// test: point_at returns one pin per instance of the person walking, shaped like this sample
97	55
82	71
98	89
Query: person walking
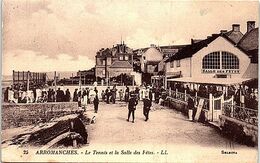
132	106
75	95
126	94
113	93
108	94
96	102
146	108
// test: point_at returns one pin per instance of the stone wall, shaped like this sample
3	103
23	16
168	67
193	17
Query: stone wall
16	115
239	131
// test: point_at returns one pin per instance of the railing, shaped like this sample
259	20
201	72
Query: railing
179	96
241	113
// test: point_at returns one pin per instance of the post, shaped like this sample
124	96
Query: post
23	76
133	82
18	77
106	76
211	105
80	84
13	77
232	106
165	82
55	85
222	103
185	93
28	80
72	79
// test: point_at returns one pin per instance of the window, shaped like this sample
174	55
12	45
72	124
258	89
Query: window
172	64
229	61
103	72
220	60
103	62
121	58
126	57
178	63
211	61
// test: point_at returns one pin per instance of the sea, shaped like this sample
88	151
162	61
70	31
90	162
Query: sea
8	79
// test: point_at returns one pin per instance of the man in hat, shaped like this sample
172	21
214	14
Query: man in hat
132	106
96	102
147	105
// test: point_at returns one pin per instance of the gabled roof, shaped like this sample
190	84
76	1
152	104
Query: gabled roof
189	50
121	64
251	71
250	40
234	35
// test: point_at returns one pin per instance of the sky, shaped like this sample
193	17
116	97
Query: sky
64	35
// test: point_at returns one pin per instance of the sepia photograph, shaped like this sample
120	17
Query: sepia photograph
129	81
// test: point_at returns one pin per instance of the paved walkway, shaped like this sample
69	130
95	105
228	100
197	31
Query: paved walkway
165	126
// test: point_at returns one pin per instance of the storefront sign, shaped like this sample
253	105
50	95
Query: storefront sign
214	71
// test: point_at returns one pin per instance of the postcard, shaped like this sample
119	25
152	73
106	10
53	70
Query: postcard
129	81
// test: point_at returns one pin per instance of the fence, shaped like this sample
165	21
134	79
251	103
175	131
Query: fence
219	106
241	113
23	77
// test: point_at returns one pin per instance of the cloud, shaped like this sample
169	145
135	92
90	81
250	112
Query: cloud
24	60
79	28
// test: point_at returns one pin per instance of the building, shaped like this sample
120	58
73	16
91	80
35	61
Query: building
221	59
112	62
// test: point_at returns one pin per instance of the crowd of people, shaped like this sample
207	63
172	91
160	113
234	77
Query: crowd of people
36	95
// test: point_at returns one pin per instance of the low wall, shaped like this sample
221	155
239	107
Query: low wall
178	105
16	115
239	131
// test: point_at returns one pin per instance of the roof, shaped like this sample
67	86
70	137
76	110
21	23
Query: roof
189	50
103	53
251	71
152	54
216	81
250	40
121	64
234	35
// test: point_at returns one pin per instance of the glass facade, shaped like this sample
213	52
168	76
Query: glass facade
220	60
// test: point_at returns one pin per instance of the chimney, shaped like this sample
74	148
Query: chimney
223	31
250	25
192	41
236	27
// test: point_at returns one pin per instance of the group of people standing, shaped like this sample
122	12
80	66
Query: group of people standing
36	95
86	96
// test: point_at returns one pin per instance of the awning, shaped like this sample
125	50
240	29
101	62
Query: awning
215	81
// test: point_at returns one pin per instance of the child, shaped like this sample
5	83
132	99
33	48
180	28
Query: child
121	94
